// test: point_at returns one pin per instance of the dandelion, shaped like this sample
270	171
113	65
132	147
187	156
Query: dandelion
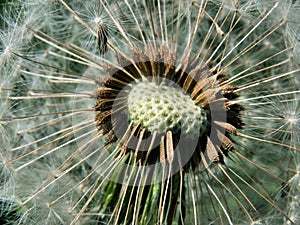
150	112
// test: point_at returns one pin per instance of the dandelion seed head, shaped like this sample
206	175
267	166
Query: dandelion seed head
185	119
163	101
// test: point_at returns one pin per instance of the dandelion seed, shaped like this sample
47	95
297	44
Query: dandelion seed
102	38
285	189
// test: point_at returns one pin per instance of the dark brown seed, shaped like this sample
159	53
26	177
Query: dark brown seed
102	38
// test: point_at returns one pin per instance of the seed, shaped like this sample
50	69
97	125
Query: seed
102	38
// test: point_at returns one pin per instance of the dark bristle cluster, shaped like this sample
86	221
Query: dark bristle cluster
206	89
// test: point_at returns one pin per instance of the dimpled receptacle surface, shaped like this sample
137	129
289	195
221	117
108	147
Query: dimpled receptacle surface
163	107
